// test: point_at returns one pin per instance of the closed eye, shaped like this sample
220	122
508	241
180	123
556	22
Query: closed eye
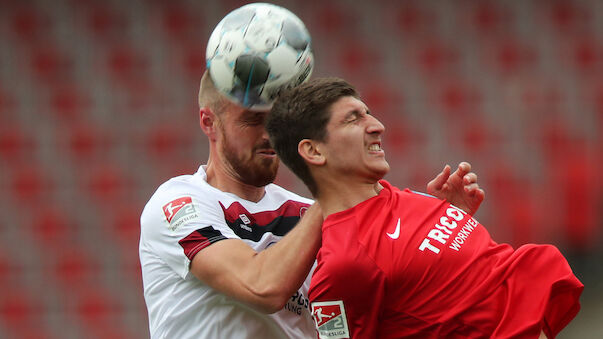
253	119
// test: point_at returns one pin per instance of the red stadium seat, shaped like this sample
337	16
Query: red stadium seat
588	56
88	141
125	225
8	106
331	18
28	332
524	218
74	268
51	227
381	98
458	98
360	58
168	142
50	65
104	332
30	24
503	181
513	219
104	22
19	308
69	102
98	310
181	23
30	184
15	144
598	103
414	19
569	16
130	270
479	136
436	57
577	172
193	62
489	17
513	56
127	66
10	270
108	184
555	138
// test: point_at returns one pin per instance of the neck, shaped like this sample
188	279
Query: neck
340	196
225	179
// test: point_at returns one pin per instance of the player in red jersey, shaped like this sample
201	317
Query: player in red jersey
400	264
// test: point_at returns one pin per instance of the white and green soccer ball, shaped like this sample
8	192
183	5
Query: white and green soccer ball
256	51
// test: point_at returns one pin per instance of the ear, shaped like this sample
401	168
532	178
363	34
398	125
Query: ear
208	121
309	151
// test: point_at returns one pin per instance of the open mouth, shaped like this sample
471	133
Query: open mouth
267	151
375	147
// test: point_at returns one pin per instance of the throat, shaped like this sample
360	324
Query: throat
226	182
333	200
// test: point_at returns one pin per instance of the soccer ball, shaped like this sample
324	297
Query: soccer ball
256	51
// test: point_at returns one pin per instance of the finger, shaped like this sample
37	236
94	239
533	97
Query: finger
471	188
478	194
475	193
481	194
463	168
440	179
470	178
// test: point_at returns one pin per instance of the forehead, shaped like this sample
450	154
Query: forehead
345	106
238	112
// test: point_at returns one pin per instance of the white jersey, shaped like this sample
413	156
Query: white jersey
184	216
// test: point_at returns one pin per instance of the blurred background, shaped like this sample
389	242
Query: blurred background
98	107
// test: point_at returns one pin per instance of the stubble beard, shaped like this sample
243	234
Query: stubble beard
254	171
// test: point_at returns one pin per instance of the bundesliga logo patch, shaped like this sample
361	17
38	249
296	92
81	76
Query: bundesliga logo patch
179	211
330	319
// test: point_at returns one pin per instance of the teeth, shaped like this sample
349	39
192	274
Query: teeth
374	147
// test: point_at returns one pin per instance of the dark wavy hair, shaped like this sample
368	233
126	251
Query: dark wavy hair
303	112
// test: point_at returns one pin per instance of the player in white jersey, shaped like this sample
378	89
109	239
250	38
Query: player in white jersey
184	216
214	260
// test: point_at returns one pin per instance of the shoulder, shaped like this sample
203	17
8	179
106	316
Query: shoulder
277	192
185	192
177	187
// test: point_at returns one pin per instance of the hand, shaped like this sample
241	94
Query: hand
460	188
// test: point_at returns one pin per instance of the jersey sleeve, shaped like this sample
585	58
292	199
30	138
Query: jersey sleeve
176	225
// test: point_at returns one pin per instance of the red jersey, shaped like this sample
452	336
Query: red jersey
403	264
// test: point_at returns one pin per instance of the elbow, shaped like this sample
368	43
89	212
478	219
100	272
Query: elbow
274	306
272	300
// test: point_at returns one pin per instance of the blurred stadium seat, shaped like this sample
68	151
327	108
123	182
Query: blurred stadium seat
15	144
29	23
30	184
68	102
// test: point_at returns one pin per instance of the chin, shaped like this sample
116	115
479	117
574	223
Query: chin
383	173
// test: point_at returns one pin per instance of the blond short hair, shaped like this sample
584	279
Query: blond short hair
209	96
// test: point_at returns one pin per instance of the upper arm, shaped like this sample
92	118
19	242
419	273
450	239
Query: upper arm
176	225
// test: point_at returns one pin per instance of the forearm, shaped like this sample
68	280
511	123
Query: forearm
265	279
277	272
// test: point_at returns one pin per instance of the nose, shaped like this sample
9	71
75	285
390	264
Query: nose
374	125
265	135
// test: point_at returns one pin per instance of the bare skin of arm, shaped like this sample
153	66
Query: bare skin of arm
265	279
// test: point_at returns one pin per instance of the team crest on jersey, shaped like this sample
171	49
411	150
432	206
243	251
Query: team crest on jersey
330	319
179	211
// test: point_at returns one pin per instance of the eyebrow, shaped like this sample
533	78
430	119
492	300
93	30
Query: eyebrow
253	114
356	112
